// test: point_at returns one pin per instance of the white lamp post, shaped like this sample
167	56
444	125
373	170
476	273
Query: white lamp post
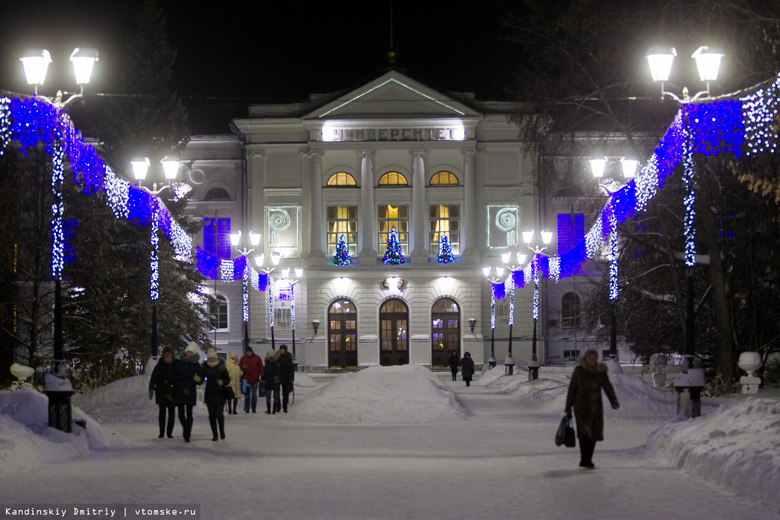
509	363
528	238
493	280
293	283
259	261
236	241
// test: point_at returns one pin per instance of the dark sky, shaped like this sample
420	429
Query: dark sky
245	52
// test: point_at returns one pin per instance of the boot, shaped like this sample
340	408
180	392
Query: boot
221	421
213	423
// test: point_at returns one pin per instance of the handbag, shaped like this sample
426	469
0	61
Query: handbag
228	392
565	434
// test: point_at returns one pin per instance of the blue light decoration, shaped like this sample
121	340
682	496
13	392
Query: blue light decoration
689	231
57	210
154	260
499	290
613	260
445	251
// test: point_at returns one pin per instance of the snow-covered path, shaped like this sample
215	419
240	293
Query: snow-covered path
499	463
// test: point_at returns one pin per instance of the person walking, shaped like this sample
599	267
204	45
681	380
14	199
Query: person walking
467	368
188	374
217	377
161	388
454	364
272	382
286	375
252	368
235	382
584	397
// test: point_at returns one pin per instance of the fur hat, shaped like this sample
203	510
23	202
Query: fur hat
282	347
192	347
167	350
233	356
211	353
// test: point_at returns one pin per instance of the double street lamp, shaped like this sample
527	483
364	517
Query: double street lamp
259	261
292	282
506	258
528	238
241	243
493	280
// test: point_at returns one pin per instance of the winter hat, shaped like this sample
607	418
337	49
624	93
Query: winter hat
282	347
211	353
233	356
249	349
167	350
192	347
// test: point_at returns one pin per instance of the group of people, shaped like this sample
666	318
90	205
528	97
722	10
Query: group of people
466	366
174	383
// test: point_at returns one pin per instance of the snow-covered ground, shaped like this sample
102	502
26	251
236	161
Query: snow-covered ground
402	442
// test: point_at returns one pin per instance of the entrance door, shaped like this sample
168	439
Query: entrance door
445	331
394	333
342	334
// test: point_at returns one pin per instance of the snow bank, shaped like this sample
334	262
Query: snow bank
737	447
27	442
380	395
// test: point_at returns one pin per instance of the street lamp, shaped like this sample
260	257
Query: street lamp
237	242
292	283
660	60
259	261
509	364
528	238
493	280
35	64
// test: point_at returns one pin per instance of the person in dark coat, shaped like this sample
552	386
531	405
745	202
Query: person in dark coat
217	377
272	381
252	368
467	368
286	375
587	381
161	388
454	364
188	374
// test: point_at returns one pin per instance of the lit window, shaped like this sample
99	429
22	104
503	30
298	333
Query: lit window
342	179
570	310
393	179
218	313
342	221
216	237
444	178
445	221
393	217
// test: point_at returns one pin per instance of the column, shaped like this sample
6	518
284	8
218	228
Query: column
366	218
468	239
419	220
317	226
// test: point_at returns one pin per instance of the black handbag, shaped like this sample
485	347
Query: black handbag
228	392
565	434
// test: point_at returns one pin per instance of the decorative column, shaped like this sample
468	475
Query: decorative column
419	220
468	238
367	204
316	228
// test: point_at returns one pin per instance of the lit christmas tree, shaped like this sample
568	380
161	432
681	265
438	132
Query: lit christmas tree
394	255
342	253
445	251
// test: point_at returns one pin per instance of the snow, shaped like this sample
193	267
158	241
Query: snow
403	442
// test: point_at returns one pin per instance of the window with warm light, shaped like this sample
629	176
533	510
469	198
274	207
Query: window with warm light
444	221
393	179
444	179
342	221
393	217
570	310
216	237
342	179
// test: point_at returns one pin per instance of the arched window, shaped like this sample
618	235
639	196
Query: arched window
393	179
444	178
570	310
217	194
341	179
218	313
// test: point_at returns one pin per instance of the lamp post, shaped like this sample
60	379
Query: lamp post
237	240
509	364
528	238
259	261
493	280
140	170
36	64
293	283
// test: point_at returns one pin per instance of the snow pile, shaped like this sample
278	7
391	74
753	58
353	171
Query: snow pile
380	395
304	380
27	441
737	447
125	401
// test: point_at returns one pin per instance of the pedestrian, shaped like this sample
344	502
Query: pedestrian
252	368
467	368
272	381
188	374
286	375
235	382
217	377
454	364
587	381
161	388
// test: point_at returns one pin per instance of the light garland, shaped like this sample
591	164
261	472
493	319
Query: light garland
689	230
154	260
245	296
271	320
57	210
613	260
493	308
511	283
760	114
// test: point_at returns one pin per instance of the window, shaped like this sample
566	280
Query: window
393	179
342	179
217	194
444	178
445	221
571	231
570	310
393	217
216	237
342	221
218	313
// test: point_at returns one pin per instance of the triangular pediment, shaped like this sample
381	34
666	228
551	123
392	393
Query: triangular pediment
393	96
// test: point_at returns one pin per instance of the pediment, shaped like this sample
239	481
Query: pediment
393	96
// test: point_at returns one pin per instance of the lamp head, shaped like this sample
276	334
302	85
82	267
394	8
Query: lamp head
140	168
275	258
260	260
629	167
235	238
35	63
316	325
708	62
597	166
547	237
254	238
472	323
660	60
528	236
83	60
170	168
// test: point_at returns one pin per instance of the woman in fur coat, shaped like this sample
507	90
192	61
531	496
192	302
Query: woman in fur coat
587	381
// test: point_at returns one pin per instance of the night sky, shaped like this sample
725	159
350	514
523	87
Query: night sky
237	53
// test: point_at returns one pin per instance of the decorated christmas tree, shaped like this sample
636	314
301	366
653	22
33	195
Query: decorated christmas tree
445	251
342	253
394	255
